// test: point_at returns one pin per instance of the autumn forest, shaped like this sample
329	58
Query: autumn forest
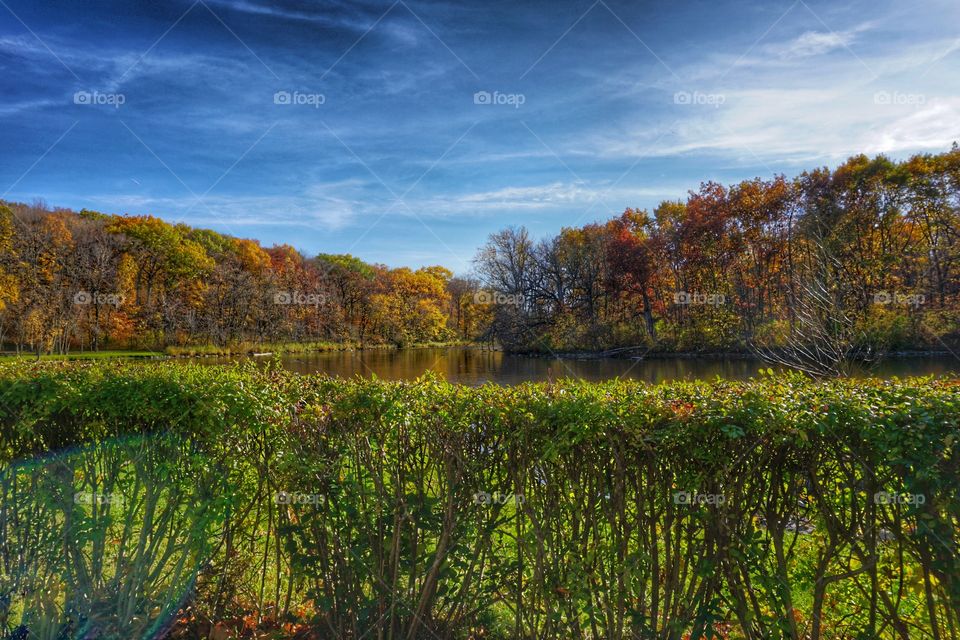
871	247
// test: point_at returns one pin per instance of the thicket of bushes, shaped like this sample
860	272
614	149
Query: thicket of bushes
189	500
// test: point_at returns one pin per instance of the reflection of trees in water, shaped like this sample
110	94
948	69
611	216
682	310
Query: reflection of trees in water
104	542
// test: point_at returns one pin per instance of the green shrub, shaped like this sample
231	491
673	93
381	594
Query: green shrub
775	508
888	329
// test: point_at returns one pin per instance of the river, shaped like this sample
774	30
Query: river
475	366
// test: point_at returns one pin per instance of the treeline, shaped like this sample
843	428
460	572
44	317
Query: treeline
861	259
88	281
219	502
866	256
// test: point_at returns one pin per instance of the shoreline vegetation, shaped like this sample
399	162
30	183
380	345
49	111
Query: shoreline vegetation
859	260
299	348
778	507
280	349
245	349
642	353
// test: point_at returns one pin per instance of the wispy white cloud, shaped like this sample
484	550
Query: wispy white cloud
785	111
796	128
929	127
556	195
813	43
534	197
322	15
240	211
11	108
358	17
338	205
112	69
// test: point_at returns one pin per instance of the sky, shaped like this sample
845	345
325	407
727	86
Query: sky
405	132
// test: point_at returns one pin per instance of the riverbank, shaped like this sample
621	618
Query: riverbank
238	349
639	353
289	348
82	355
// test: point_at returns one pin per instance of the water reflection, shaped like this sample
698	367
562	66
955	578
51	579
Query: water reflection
476	366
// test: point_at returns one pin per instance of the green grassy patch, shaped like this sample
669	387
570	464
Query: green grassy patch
85	355
280	348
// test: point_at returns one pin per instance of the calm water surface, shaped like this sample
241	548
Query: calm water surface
474	366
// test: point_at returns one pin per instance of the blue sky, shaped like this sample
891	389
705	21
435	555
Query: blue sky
405	132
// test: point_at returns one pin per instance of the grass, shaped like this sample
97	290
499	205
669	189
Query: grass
85	355
244	348
236	349
422	345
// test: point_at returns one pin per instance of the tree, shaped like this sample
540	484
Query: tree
9	286
631	263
